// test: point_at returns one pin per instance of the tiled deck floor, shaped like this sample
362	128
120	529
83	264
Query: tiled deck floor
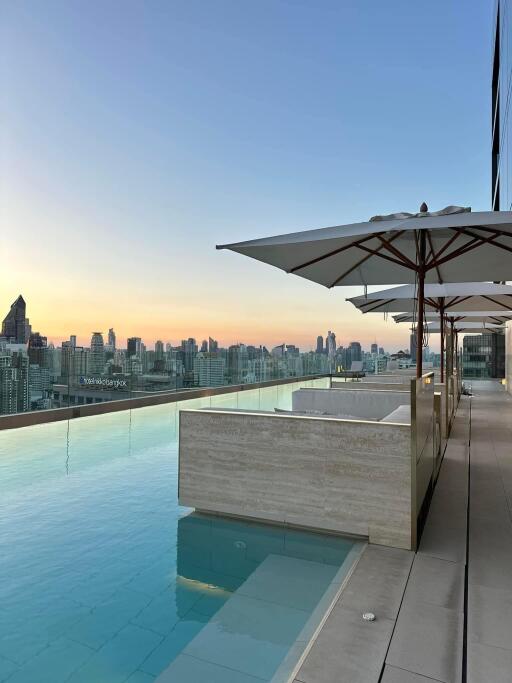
489	632
419	633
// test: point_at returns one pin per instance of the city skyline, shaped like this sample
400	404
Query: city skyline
305	339
37	375
146	153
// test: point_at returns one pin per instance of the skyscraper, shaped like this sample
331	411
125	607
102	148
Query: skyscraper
38	351
159	350
209	369
97	354
319	344
356	352
134	347
112	339
15	325
189	350
374	348
14	383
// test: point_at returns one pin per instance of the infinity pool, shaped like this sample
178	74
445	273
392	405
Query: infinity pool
105	579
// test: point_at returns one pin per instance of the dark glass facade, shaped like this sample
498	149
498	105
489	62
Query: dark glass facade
484	356
501	118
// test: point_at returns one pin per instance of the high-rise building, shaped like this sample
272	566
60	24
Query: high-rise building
237	363
38	351
15	326
483	355
8	387
204	346
213	345
159	350
74	360
374	348
209	369
189	350
97	354
111	339
14	383
319	344
134	347
356	352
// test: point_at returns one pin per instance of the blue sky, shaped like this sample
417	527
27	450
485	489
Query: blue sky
136	135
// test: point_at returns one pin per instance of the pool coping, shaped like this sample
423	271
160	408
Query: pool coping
287	671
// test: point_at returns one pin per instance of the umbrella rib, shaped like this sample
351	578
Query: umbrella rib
448	244
493	301
400	255
376	252
364	259
432	254
469	246
379	305
332	253
457	300
497	231
432	302
491	239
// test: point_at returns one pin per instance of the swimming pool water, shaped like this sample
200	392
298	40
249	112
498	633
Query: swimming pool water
105	579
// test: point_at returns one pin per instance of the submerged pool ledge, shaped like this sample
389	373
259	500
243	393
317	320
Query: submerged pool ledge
249	655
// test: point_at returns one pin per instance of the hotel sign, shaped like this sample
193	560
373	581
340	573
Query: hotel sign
103	382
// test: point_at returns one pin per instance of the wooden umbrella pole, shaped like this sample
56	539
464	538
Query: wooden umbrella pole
441	313
421	302
452	345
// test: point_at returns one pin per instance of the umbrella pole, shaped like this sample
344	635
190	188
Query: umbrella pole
421	302
441	311
452	345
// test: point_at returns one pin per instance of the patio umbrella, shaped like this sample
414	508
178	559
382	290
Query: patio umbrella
467	328
445	299
462	316
451	245
458	320
462	327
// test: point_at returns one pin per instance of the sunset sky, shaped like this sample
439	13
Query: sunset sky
134	136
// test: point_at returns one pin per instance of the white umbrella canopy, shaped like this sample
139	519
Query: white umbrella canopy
467	328
460	316
457	296
443	299
453	245
460	247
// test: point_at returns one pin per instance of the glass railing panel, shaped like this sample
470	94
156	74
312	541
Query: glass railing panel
153	427
229	400
269	398
249	400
